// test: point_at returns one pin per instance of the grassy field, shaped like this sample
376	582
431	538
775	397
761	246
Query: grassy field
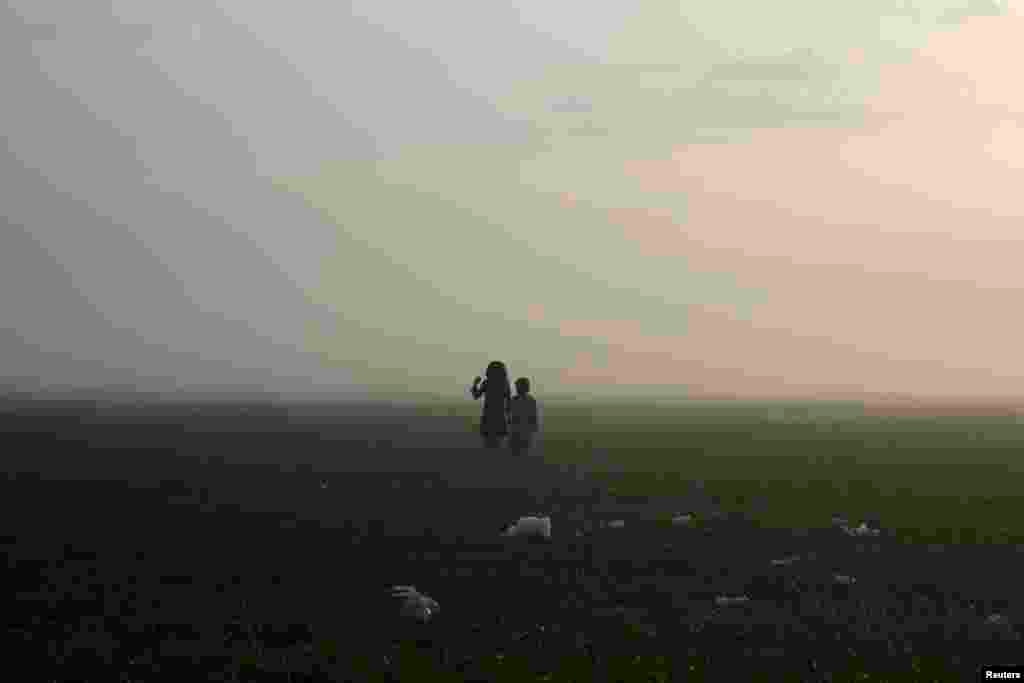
928	479
235	559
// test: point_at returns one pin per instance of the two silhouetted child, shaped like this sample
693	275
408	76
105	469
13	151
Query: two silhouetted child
504	415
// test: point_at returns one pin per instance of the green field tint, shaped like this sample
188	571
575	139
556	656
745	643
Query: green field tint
412	664
928	479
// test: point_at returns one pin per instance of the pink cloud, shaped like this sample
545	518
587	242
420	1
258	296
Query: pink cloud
893	253
535	313
724	355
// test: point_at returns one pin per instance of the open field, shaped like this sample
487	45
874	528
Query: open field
185	542
939	479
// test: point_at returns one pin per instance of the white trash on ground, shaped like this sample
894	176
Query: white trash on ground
844	579
683	519
862	530
529	526
415	605
616	524
997	620
730	600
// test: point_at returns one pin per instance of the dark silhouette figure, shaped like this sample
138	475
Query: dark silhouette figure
523	417
497	402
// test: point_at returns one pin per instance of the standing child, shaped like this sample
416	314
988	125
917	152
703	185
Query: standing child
497	398
523	417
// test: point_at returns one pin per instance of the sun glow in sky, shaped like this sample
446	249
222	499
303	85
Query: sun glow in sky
792	199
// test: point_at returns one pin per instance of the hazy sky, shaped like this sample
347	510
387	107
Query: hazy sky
789	199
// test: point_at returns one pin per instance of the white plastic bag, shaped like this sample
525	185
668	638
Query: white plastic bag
415	605
683	519
530	526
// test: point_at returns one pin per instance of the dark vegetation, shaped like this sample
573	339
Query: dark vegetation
149	544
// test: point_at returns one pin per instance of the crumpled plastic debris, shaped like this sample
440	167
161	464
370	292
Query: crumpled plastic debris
730	600
415	605
616	524
1001	628
862	530
997	619
537	527
683	519
844	579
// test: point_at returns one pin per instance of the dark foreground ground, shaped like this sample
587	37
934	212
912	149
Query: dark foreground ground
199	545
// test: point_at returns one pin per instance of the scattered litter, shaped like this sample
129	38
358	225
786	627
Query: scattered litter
844	579
862	530
727	600
616	524
323	483
683	519
530	527
415	604
997	620
533	632
786	561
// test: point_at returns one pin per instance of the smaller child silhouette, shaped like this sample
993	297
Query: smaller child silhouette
523	419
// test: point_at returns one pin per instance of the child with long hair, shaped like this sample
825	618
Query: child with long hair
497	395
